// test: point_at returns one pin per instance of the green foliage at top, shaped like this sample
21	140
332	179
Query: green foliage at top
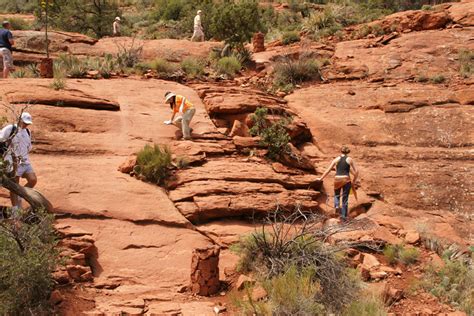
466	62
272	135
295	292
236	22
27	259
154	163
193	67
290	37
91	17
17	23
400	253
452	284
18	6
288	73
229	66
367	305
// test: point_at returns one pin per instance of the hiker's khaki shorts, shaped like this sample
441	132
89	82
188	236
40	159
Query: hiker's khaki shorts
7	57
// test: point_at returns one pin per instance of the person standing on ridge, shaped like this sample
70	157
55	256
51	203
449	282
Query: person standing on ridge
185	111
6	44
18	143
344	165
116	27
198	34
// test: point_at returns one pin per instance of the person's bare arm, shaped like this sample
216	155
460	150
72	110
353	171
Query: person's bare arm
12	41
331	166
354	170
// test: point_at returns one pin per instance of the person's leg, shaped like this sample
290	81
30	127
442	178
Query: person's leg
31	179
187	117
345	200
337	196
7	62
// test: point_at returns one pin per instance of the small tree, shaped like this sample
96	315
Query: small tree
235	22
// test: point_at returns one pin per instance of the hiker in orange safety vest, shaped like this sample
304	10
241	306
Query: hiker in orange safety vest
344	166
183	110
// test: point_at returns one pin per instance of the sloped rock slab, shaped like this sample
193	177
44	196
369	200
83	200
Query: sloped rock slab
230	188
64	98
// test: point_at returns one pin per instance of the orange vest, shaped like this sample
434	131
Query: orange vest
181	104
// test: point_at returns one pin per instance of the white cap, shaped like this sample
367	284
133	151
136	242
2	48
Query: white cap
26	118
199	11
117	19
169	96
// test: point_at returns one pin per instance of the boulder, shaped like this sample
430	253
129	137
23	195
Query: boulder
370	261
259	293
239	129
377	275
392	295
76	272
128	165
56	297
243	281
295	159
246	142
61	277
412	237
205	271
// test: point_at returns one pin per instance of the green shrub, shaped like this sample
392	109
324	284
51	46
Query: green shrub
243	55
466	61
19	73
229	66
28	256
154	163
18	23
452	284
422	78
426	7
193	67
290	37
72	66
295	292
368	305
399	253
58	83
33	70
163	67
129	56
438	79
272	135
293	260
295	72
408	255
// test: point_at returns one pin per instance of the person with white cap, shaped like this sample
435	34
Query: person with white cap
185	111
116	26
18	143
6	44
198	34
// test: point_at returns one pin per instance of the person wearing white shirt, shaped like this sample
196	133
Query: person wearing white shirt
198	34
116	27
17	154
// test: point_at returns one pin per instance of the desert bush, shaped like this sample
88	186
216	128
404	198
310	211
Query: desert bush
290	37
163	67
452	284
128	56
91	17
18	6
193	67
466	61
438	79
154	163
295	241
235	22
243	55
367	305
292	72
421	78
399	253
229	66
72	66
19	73
18	23
105	66
59	83
294	292
33	70
28	256
274	136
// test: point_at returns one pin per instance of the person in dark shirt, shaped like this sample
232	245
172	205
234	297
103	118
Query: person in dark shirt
344	166
6	43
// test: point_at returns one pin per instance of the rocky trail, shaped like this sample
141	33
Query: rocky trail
131	243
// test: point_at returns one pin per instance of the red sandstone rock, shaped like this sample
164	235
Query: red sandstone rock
370	261
62	277
128	165
412	237
392	295
243	281
239	129
205	271
56	297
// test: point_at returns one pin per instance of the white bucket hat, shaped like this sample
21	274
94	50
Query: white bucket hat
169	96
117	19
199	11
26	118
